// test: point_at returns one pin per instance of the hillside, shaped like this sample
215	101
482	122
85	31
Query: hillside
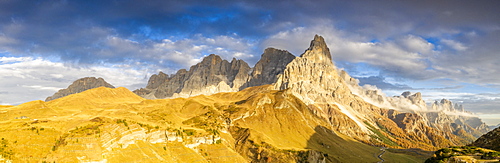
490	140
251	125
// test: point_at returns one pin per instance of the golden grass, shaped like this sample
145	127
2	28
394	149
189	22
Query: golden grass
81	126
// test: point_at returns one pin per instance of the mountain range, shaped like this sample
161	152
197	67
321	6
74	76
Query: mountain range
315	80
284	109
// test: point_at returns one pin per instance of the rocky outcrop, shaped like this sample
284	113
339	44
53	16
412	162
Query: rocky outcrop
416	99
211	75
456	115
313	78
318	51
214	75
490	140
156	80
80	85
271	64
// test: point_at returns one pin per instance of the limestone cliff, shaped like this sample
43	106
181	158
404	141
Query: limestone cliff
313	78
211	75
267	69
214	75
80	85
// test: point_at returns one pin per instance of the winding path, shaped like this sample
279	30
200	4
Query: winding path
380	155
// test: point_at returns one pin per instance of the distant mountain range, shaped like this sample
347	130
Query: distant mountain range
285	108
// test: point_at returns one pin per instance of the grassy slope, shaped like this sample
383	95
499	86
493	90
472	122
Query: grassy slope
279	121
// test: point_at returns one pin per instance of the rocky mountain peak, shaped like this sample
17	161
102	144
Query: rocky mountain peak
445	101
271	64
155	80
212	75
80	85
406	94
446	105
211	59
415	98
318	51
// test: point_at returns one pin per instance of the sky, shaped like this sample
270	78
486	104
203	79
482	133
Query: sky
444	49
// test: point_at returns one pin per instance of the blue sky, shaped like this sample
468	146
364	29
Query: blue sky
444	49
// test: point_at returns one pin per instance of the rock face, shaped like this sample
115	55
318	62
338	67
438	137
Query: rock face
454	114
355	111
416	99
450	119
267	69
490	140
318	51
80	85
314	79
212	75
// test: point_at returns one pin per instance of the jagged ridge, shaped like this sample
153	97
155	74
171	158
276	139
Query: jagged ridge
213	75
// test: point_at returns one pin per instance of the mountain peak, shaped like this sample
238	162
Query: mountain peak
272	63
212	59
80	85
318	50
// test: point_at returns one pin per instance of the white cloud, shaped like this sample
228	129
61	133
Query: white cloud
39	87
416	44
404	56
454	44
57	75
490	119
29	79
26	78
13	59
178	53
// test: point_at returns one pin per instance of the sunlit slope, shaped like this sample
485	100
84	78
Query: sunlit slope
115	125
98	96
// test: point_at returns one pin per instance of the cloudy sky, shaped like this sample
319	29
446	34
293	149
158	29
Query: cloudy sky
444	49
